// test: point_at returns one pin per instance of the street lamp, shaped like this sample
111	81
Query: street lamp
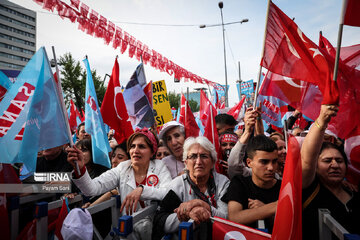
221	5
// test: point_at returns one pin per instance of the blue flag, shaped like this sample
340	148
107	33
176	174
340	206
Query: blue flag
5	81
247	88
94	124
31	117
270	109
137	104
5	84
218	91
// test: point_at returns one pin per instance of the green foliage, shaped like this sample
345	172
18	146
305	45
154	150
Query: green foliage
194	105
174	99
175	102
73	81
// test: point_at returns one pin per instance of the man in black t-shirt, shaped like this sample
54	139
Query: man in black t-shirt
255	197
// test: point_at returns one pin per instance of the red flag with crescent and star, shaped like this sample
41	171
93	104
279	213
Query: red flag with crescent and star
288	223
187	119
235	111
228	230
290	53
113	108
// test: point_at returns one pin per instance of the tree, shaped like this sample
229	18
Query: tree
73	82
194	105
174	100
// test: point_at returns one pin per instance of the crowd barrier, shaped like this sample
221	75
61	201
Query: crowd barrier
124	228
15	204
41	214
328	225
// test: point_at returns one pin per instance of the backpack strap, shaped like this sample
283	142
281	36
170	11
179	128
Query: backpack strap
312	196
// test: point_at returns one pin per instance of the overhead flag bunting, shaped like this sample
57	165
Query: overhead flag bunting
97	25
94	124
31	117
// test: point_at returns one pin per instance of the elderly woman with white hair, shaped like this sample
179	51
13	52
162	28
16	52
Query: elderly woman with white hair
197	193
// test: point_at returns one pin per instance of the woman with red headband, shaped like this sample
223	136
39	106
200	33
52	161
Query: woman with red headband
138	180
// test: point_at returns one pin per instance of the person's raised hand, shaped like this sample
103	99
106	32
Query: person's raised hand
75	155
326	113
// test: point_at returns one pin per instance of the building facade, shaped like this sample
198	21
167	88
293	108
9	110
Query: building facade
17	35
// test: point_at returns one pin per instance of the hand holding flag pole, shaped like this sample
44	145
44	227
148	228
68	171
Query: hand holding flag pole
59	95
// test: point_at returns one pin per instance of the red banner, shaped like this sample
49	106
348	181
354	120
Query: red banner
225	229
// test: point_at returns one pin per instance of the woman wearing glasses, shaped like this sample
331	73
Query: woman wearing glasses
196	194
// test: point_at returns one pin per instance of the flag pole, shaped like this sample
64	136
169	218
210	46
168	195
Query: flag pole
285	132
212	125
341	26
59	91
262	56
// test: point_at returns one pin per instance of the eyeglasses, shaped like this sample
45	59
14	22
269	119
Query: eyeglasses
195	156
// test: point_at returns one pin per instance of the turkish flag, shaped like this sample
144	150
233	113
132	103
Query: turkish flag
301	95
187	119
204	104
148	92
225	229
352	9
210	130
288	223
113	108
348	116
73	115
290	53
235	111
59	221
352	150
352	147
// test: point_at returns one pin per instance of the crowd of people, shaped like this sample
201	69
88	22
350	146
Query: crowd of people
190	180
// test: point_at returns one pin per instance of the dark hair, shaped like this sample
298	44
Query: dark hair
276	135
340	148
85	143
139	134
78	128
161	144
224	118
121	146
260	143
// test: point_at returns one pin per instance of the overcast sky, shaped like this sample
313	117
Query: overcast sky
199	50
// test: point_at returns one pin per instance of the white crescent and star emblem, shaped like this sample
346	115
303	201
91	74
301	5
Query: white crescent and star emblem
234	235
117	91
301	34
287	191
316	52
292	83
291	47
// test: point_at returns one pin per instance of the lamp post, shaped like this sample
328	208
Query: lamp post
221	5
